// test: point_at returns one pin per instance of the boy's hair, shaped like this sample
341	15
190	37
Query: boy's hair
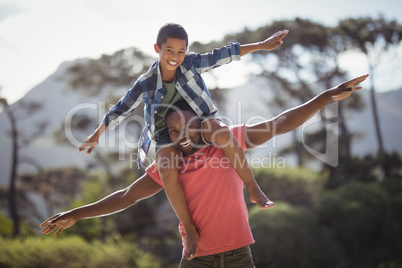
171	30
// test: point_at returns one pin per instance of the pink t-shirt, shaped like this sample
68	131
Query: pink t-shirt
214	195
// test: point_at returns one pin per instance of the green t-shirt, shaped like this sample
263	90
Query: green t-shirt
171	97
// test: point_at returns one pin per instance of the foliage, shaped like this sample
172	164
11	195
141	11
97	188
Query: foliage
356	224
6	228
93	189
366	33
359	211
295	186
141	223
361	217
72	252
365	169
289	236
391	233
120	69
56	186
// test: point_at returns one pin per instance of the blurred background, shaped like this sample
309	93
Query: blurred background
338	201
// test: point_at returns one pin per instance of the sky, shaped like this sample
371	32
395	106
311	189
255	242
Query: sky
37	36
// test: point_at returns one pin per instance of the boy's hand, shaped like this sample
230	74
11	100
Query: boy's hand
89	143
345	89
58	222
274	41
191	249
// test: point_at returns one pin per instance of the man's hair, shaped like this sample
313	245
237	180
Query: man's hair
180	105
171	30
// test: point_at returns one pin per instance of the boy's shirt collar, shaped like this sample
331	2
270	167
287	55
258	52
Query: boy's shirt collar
158	74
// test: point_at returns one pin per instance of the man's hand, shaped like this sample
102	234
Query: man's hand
345	89
274	40
59	222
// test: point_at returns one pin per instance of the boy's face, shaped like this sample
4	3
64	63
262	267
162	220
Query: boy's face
171	54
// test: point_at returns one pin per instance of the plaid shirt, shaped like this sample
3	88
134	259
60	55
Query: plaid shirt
189	83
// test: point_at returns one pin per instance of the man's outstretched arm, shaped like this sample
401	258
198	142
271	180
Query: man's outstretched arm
289	120
141	189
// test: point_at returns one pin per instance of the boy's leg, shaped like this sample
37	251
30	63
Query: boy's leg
168	160
215	131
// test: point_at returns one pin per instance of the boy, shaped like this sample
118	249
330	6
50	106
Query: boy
173	77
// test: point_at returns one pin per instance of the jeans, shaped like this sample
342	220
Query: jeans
238	258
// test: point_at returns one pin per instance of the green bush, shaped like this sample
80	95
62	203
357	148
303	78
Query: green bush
289	236
390	247
364	218
72	252
6	228
295	186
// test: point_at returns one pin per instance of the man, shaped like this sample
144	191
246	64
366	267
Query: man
213	190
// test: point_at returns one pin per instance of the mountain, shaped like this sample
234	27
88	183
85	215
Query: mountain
59	103
246	103
390	116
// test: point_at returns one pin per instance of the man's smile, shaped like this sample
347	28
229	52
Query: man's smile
185	144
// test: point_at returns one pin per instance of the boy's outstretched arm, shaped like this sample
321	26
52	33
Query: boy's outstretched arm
270	43
289	120
141	189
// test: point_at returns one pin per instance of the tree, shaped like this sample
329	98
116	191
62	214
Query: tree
12	192
372	37
56	186
119	69
19	139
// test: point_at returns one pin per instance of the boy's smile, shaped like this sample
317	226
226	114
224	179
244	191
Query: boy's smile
171	55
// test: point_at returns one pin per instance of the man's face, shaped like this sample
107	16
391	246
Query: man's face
185	131
171	53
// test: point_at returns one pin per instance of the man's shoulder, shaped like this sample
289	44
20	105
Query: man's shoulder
152	171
